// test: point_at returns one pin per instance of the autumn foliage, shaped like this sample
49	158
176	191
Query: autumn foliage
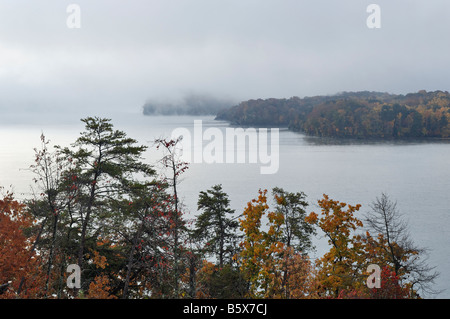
20	270
101	208
260	258
351	114
339	267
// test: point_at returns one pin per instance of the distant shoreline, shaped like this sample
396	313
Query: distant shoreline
359	115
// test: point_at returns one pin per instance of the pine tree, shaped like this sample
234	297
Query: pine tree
107	166
214	227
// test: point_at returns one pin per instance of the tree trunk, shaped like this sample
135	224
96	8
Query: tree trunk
130	261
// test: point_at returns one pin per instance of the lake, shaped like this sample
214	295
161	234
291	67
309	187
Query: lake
414	173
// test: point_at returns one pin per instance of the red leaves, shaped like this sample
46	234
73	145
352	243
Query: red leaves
390	286
166	143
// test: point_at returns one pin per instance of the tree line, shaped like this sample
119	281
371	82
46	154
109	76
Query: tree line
98	205
351	114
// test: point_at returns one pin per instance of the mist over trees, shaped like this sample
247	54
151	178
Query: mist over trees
360	115
190	104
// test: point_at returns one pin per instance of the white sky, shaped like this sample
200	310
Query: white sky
129	51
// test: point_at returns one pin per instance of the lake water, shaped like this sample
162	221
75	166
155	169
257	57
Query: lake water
415	173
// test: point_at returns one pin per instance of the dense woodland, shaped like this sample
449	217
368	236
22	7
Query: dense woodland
352	114
98	205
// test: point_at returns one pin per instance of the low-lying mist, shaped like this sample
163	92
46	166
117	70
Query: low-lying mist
191	104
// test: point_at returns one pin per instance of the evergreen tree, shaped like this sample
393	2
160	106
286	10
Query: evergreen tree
215	227
107	165
297	232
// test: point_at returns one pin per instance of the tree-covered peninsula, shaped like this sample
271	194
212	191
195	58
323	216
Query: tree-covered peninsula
351	114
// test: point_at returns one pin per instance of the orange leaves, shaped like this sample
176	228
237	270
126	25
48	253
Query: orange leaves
301	275
312	218
204	277
280	199
17	261
100	288
98	260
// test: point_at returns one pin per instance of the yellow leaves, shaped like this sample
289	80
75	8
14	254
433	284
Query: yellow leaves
259	258
335	220
337	265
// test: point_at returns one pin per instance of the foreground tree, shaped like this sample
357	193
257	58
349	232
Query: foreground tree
97	204
389	239
297	233
107	163
150	269
52	198
175	166
21	274
214	227
261	255
228	282
300	276
342	266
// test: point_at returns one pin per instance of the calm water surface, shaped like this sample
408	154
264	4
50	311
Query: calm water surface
415	174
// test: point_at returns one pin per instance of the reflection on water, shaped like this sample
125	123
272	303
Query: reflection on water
354	141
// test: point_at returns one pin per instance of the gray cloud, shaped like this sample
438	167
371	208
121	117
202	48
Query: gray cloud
129	52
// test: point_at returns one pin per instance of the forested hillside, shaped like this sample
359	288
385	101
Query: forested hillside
355	114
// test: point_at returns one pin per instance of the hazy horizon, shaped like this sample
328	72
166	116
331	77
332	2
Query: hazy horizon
195	53
125	54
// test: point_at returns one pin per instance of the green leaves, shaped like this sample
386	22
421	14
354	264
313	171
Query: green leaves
214	227
296	231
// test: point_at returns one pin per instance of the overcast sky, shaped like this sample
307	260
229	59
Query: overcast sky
129	51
